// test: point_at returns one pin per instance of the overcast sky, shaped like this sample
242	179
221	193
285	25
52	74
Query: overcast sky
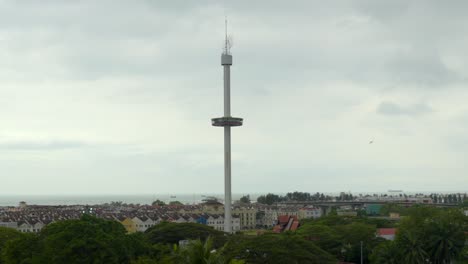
116	97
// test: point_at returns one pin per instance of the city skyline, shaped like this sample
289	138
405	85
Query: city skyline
115	97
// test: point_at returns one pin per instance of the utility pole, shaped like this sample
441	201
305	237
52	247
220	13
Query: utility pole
361	253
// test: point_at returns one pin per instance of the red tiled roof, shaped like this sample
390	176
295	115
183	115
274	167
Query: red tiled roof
283	219
386	231
294	226
277	229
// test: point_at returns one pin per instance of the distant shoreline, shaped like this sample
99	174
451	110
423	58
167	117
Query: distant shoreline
13	200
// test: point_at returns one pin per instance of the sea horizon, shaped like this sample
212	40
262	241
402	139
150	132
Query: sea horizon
185	198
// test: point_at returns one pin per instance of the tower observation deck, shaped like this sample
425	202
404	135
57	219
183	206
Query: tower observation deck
227	121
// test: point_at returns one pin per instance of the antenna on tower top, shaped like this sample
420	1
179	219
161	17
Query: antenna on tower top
227	40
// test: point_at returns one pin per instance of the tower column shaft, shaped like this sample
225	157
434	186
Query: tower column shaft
227	180
227	121
227	151
227	90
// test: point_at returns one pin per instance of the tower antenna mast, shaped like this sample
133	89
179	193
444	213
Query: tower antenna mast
227	38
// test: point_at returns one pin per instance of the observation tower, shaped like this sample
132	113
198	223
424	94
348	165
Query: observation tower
227	121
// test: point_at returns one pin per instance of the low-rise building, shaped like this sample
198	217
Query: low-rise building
373	209
247	216
13	225
217	222
387	233
346	213
309	212
128	224
394	215
286	223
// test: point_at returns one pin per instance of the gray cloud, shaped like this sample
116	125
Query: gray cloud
420	69
390	108
41	145
313	80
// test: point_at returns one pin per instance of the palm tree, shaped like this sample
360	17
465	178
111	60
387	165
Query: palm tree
386	253
412	249
198	252
446	241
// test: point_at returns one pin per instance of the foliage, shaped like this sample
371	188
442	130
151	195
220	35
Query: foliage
298	196
377	222
446	240
386	253
342	235
175	203
388	208
270	199
425	235
145	260
172	233
433	234
323	236
245	199
333	220
352	236
463	258
276	248
8	234
87	240
84	241
158	203
24	249
198	252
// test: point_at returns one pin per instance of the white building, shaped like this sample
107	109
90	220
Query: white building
142	223
310	212
24	227
217	222
9	224
27	227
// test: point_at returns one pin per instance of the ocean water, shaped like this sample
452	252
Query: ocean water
13	200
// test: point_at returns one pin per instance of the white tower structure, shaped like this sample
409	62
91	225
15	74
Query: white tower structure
227	121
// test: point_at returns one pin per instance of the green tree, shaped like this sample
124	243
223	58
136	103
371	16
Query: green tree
386	209
177	203
431	234
87	240
7	234
276	248
463	257
245	199
352	235
172	233
24	249
270	199
411	248
323	236
445	237
385	253
158	203
198	252
299	196
145	260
